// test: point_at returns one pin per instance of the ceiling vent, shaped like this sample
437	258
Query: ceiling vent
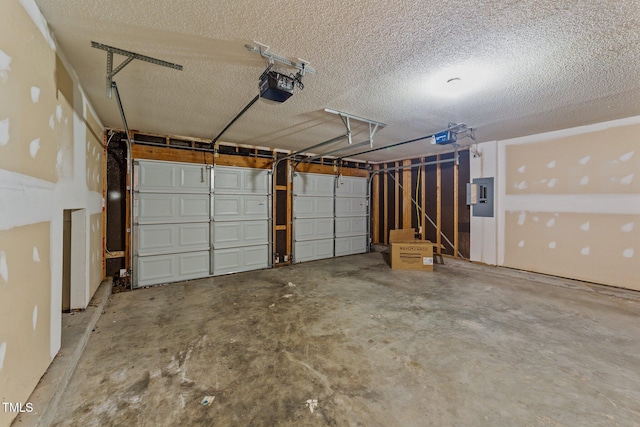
276	87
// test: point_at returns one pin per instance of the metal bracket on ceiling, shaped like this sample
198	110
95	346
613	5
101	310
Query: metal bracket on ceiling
262	51
462	130
373	125
111	72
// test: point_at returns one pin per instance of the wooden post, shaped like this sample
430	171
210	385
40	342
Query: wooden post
397	197
423	198
438	205
407	204
375	203
385	210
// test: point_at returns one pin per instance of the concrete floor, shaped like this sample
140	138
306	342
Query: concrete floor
465	345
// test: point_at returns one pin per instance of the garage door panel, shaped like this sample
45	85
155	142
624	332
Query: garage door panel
171	208
239	208
171	177
351	206
193	264
155	207
313	249
314	228
194	207
193	178
234	260
227	234
311	184
351	245
193	235
171	238
232	180
156	269
351	226
312	207
351	187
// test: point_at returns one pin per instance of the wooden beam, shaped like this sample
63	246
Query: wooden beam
375	204
407	203
385	210
423	173
116	254
455	210
438	206
281	227
281	187
397	197
243	161
168	137
170	154
330	169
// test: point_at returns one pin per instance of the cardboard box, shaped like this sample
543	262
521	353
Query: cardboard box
409	253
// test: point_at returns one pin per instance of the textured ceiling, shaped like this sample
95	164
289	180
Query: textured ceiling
543	64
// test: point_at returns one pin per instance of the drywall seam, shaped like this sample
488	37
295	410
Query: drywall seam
574	203
33	11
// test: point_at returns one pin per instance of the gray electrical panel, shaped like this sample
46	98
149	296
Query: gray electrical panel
480	197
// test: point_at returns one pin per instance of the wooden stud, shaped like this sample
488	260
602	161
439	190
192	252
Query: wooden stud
455	210
328	169
438	206
423	218
408	206
375	203
385	210
397	197
280	228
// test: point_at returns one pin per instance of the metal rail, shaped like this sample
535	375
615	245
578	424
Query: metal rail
244	110
130	57
129	181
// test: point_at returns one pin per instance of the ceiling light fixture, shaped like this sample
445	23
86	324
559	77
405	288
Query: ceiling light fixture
459	80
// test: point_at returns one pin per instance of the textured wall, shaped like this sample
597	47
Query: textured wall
50	160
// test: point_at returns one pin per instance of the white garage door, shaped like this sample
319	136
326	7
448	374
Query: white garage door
330	216
351	215
240	227
171	212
